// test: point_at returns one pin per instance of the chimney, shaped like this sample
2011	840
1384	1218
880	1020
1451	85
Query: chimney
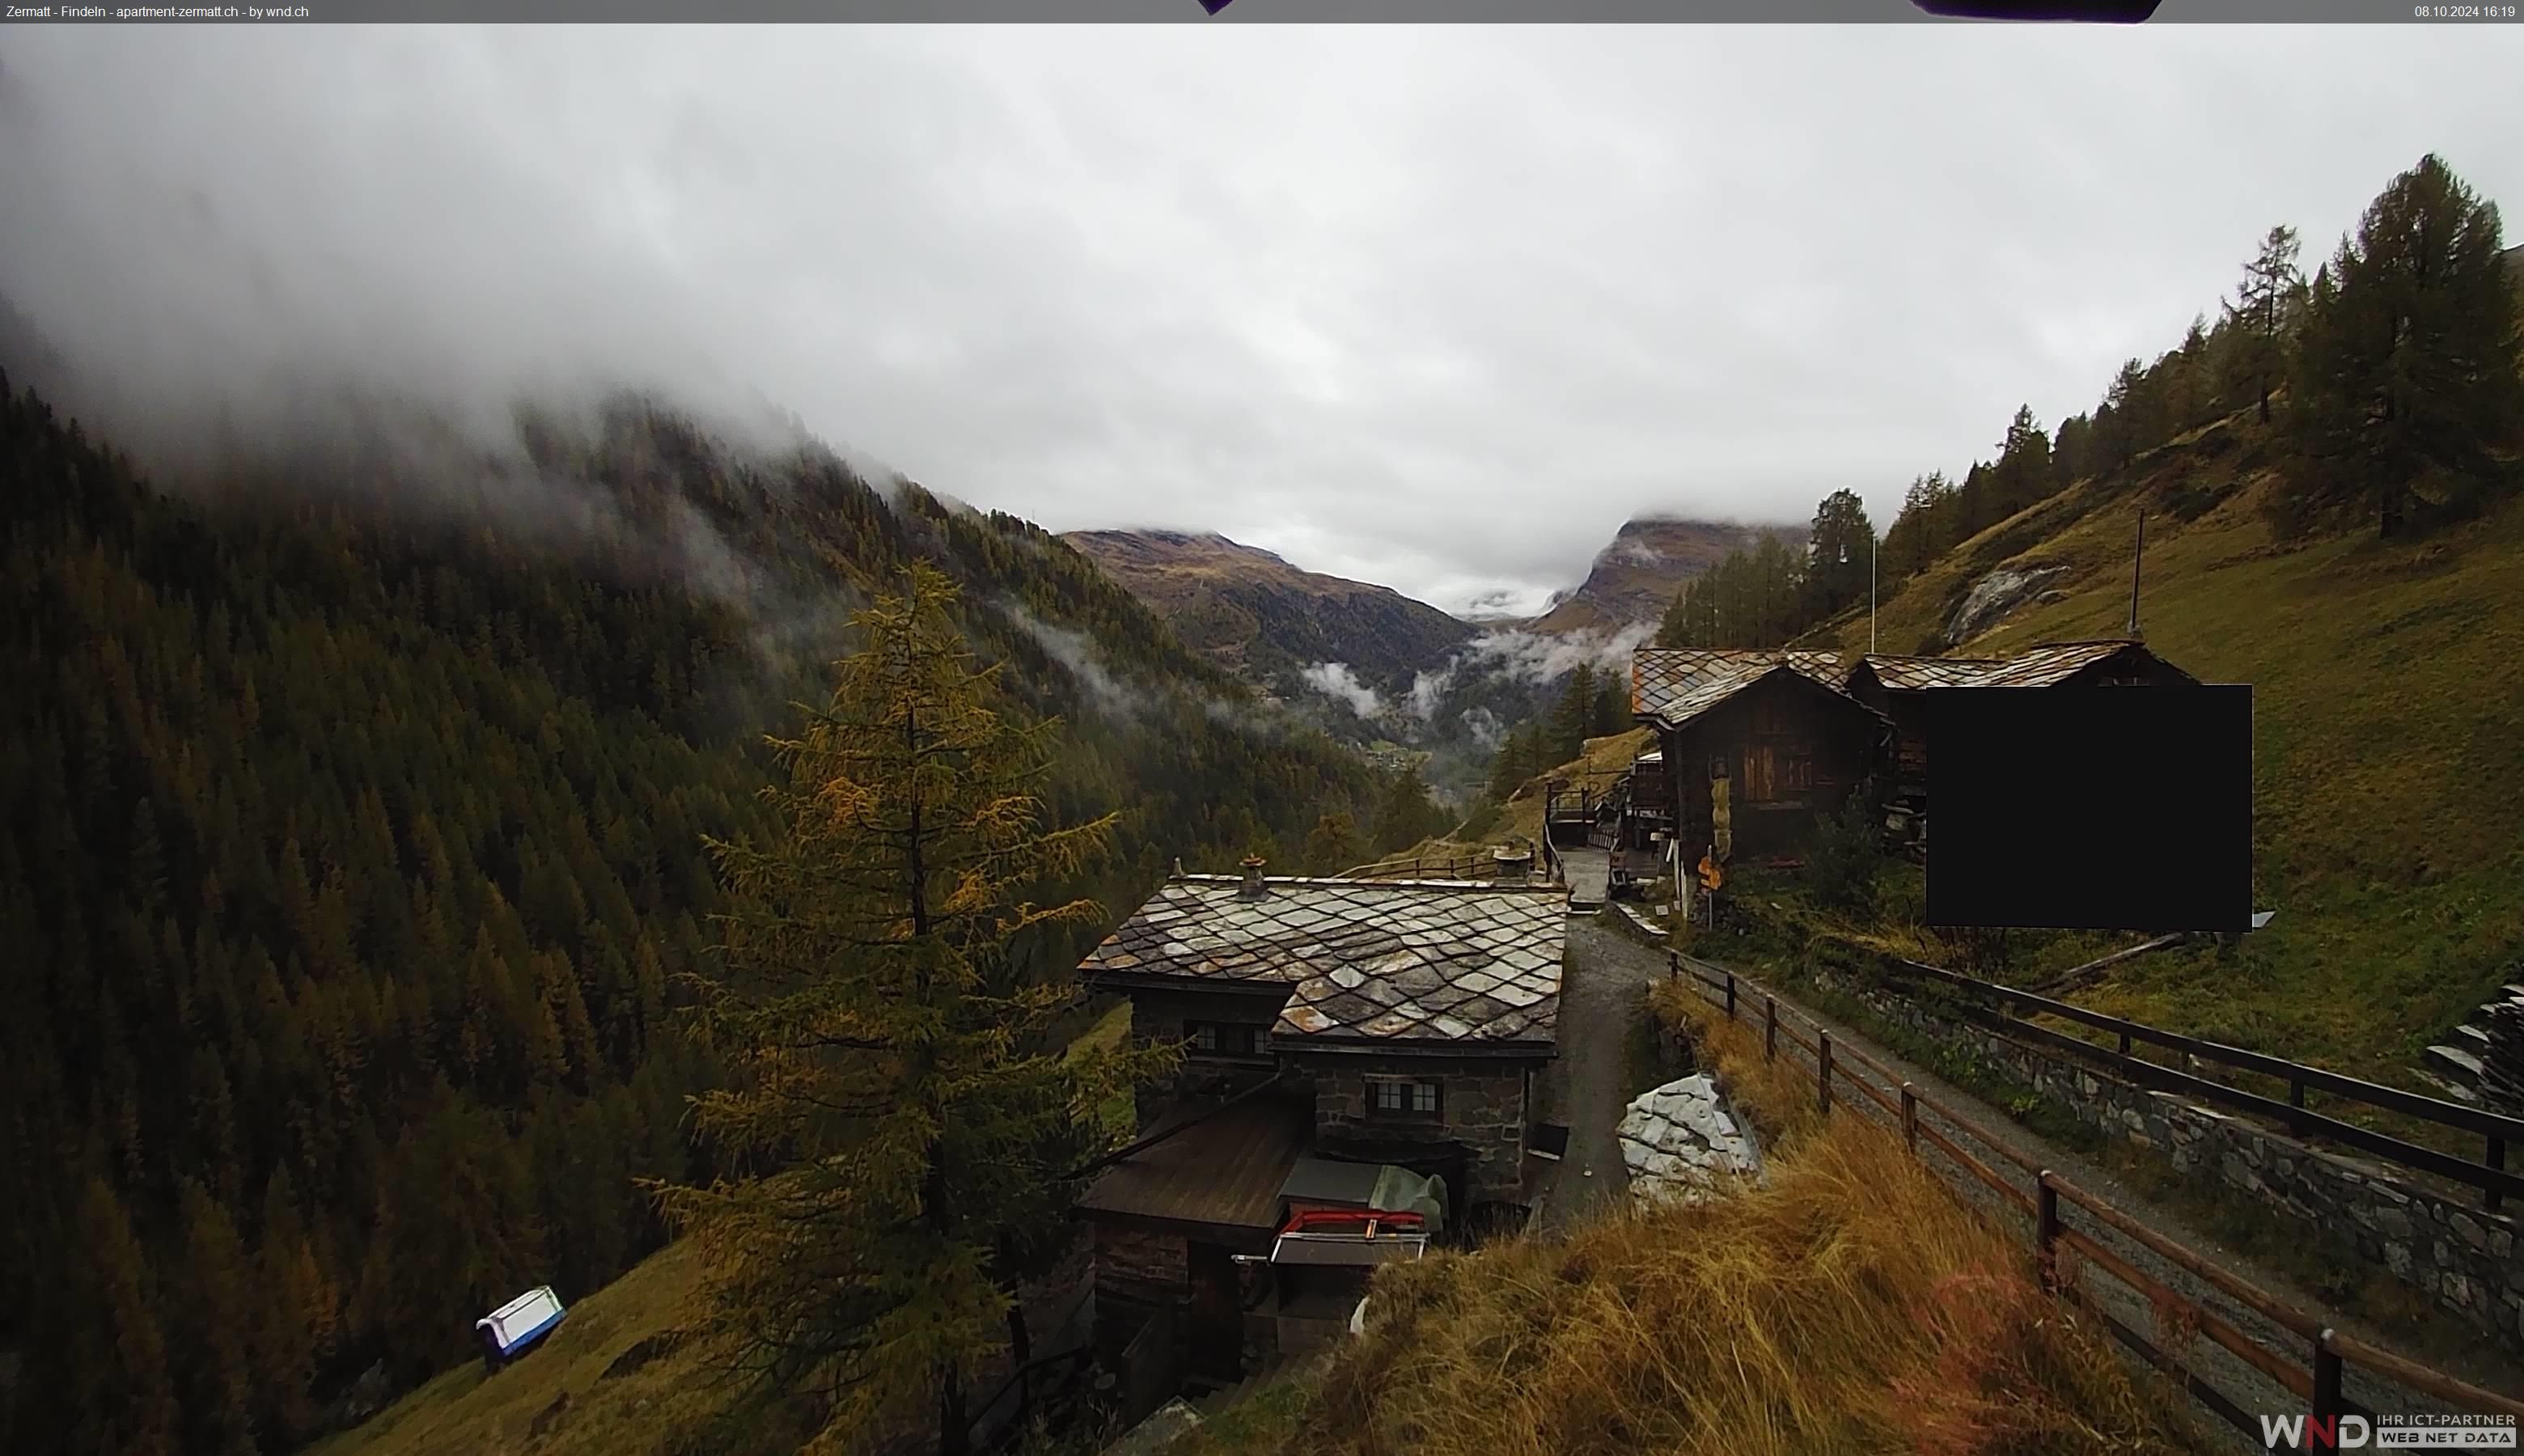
1515	866
1253	887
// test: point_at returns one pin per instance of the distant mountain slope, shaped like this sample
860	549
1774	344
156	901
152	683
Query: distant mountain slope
1635	578
1248	609
354	852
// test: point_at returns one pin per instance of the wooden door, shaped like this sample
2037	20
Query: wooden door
1216	1337
1761	773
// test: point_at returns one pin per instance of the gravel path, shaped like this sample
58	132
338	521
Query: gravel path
1610	958
1602	1001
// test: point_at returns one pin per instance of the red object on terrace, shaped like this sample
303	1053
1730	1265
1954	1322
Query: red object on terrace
1328	1220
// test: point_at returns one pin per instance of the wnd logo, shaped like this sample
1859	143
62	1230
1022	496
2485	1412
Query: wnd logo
2315	1432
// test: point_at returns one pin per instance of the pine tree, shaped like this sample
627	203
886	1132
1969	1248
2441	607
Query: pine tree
2023	472
2135	425
889	1064
117	1396
2405	378
214	1303
2261	312
1838	552
1612	704
1574	715
1332	845
1406	816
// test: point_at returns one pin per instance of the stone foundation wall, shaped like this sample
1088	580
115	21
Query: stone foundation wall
1483	1109
2460	1255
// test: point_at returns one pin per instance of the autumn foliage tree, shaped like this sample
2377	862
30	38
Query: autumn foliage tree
905	1133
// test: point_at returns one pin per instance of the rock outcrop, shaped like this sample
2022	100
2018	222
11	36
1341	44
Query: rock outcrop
1996	595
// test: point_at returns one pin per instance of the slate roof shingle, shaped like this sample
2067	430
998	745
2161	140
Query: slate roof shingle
1912	674
2048	663
1394	961
1676	685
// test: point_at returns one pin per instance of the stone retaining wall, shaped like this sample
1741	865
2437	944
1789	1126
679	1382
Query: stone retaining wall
2460	1256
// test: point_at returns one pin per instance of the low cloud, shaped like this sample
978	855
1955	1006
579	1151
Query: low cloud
1076	651
1336	681
1427	689
1543	657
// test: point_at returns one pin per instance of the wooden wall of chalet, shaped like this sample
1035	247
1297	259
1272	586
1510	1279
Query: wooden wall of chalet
1791	747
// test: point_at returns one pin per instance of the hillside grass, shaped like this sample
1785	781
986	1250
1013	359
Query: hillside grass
660	1407
2388	775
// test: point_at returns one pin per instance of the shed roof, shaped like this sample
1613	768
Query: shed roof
1905	673
1459	964
2050	663
1676	685
1226	1171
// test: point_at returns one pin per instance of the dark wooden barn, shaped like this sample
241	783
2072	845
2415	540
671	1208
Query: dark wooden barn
1894	686
1756	744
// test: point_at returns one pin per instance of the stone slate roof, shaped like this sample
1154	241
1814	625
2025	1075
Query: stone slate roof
2050	663
1420	962
2039	666
1908	674
1676	685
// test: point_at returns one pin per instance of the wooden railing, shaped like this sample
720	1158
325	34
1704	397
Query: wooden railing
2490	1175
2311	1372
1477	864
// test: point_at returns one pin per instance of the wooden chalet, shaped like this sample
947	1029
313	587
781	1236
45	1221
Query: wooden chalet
1893	684
1753	744
1393	1025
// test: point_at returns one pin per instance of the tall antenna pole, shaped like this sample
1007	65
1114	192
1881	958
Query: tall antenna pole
1871	588
2136	557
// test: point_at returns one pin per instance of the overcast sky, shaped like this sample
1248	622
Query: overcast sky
1434	308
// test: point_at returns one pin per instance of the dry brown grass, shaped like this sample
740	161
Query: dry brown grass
1778	1096
1851	1305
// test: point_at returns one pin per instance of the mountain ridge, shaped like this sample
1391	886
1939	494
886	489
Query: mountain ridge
1251	610
1633	579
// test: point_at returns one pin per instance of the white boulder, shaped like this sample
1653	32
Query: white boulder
1682	1141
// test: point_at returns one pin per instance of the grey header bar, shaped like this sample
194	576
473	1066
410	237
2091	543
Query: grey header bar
480	12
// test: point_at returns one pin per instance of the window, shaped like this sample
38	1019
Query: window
1403	1098
1224	1039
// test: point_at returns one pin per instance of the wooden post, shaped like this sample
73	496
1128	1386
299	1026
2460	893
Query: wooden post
1770	1028
1731	995
1910	1119
2326	1378
1672	965
2046	1228
1823	1078
2489	1198
2296	1102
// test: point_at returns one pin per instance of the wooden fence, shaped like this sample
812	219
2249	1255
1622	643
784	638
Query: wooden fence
2311	1372
1473	865
2490	1175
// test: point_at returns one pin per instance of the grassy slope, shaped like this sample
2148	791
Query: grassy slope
2388	755
651	1409
654	1409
